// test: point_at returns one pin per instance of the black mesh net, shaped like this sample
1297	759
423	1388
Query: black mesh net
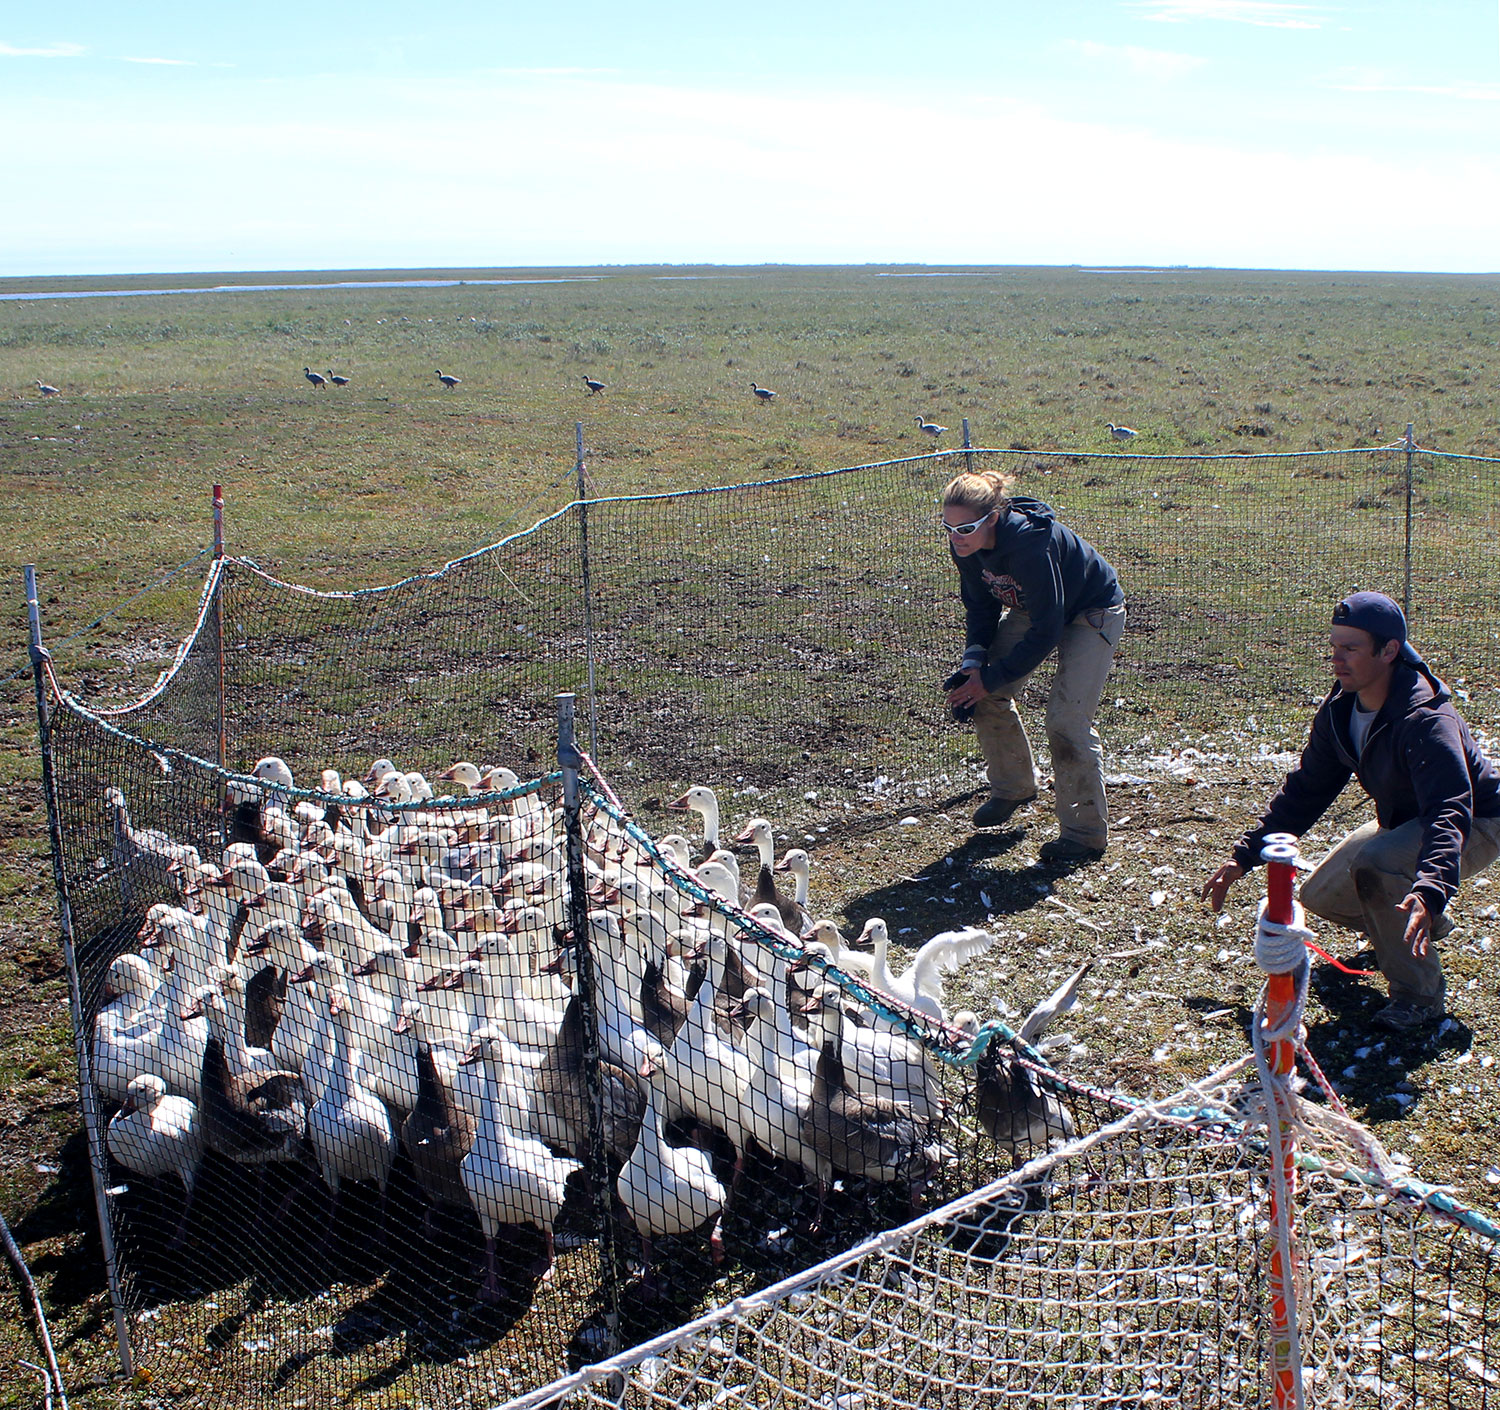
379	1120
794	634
403	989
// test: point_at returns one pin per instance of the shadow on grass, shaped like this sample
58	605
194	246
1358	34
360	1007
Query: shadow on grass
963	887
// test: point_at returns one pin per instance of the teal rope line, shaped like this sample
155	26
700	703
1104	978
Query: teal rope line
914	1026
1452	455
117	609
353	593
167	754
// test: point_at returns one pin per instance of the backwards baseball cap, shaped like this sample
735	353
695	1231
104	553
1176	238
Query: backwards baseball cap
1379	615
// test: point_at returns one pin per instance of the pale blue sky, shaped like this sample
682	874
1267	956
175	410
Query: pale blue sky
1204	132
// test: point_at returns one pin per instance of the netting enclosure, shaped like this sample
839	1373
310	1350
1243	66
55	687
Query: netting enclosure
404	1108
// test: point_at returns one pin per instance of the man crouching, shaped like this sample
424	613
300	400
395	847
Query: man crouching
1389	721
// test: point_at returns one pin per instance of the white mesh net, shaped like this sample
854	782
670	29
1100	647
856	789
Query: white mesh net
1129	1268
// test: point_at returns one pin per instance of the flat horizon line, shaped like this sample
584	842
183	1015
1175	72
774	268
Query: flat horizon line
332	274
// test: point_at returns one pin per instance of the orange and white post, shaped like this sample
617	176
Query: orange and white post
1281	952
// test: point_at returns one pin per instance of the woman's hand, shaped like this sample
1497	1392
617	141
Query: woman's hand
971	692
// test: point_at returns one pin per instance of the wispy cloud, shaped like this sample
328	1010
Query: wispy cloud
174	63
1265	14
1379	83
47	51
555	73
1145	63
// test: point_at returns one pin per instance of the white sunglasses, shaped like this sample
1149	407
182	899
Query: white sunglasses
964	530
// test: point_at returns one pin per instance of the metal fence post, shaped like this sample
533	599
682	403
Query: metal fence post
596	1162
588	594
968	449
1411	446
223	727
88	1094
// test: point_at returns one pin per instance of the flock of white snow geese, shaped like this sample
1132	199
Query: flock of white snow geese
345	981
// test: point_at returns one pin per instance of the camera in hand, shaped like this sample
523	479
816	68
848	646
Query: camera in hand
961	714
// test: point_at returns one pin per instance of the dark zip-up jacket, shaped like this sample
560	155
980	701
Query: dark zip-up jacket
1041	567
1419	761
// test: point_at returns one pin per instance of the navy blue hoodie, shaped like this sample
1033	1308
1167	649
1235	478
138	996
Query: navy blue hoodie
1419	761
1039	566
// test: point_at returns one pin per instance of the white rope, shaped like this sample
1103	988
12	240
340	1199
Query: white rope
1280	948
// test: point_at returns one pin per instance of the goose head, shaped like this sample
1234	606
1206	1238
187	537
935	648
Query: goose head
393	787
704	801
155	917
378	770
272	769
677	849
280	941
715	876
321	968
760	832
498	779
245	880
464	773
768	917
129	977
142	1094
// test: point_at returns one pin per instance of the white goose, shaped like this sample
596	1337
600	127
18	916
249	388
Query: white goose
507	1088
511	1178
879	1064
797	861
531	1022
779	1095
351	1130
386	1061
129	1008
301	1042
858	963
668	1190
623	1038
155	1134
705	802
159	1037
221	1003
701	1074
920	985
676	849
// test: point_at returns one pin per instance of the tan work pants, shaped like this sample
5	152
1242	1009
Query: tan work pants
1359	883
1084	656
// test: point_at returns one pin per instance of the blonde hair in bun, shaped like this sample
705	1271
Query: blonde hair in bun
982	491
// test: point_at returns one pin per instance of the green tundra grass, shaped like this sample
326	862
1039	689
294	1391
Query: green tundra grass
106	488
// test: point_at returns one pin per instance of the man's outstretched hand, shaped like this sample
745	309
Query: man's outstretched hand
1217	886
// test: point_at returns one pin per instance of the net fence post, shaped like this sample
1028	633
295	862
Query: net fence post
1280	857
588	595
968	450
1411	446
88	1094
596	1163
222	733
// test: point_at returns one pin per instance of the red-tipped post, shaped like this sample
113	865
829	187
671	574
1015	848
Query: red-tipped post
1280	856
